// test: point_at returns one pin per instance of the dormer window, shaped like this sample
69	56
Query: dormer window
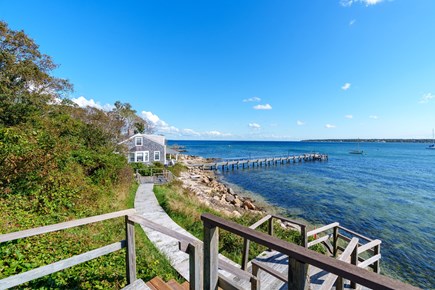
138	141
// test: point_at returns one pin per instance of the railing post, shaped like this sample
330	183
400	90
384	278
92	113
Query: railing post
297	275
255	283
211	243
354	261
270	228
245	254
130	252
195	266
377	266
304	236
335	242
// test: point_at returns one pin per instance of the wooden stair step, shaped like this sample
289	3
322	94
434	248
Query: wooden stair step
185	285
157	283
174	285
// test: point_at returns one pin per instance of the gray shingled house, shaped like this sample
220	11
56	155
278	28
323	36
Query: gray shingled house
146	148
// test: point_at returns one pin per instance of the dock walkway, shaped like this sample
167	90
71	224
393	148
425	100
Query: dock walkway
260	161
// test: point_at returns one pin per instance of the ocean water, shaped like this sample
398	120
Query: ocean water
387	193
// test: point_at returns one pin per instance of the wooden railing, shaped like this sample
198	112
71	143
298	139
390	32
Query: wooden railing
270	219
299	258
372	247
186	244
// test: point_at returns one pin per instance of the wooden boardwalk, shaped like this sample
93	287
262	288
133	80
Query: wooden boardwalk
260	161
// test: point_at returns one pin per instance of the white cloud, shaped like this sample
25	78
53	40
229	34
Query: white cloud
263	107
190	132
426	98
300	123
348	117
253	99
329	126
83	103
160	125
254	126
346	86
352	22
374	117
348	3
215	134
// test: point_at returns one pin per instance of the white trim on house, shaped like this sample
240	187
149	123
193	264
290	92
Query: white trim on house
158	155
136	139
142	156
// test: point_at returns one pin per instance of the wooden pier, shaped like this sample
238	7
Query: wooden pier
261	161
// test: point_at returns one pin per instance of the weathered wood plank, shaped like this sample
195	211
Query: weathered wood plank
234	270
289	220
211	243
260	222
322	229
225	283
318	241
355	234
58	266
63	226
149	224
130	253
340	268
369	261
331	278
368	246
269	270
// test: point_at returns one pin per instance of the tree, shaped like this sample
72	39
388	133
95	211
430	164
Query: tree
26	86
132	122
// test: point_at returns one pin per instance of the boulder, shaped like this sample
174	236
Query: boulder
247	203
229	198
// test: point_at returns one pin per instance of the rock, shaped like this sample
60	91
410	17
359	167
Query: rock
237	202
229	198
247	203
216	197
231	191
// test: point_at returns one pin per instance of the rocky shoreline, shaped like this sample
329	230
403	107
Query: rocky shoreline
211	192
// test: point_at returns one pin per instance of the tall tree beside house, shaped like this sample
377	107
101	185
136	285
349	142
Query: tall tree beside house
132	122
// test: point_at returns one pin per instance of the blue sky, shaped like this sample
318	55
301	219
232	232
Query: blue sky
247	70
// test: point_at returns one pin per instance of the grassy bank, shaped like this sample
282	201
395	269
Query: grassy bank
185	209
107	272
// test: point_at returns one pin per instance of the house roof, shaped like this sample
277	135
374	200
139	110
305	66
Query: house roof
156	138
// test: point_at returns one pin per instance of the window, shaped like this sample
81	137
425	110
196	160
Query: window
138	141
147	156
139	156
131	157
156	155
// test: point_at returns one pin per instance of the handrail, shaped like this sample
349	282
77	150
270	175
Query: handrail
30	275
39	272
331	278
300	254
322	229
355	233
63	226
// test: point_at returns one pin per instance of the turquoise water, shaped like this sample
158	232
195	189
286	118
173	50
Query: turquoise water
388	193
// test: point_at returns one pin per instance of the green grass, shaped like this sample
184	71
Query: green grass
185	209
107	272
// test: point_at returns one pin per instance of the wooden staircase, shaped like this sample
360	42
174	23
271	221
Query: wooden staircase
158	284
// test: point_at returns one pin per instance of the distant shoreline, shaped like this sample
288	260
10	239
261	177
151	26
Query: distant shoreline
371	140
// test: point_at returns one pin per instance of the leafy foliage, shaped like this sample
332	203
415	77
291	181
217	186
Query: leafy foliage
57	163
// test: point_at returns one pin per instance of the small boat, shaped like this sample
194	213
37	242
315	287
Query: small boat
432	146
356	151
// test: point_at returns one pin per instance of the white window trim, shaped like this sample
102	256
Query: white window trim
137	139
146	156
134	157
156	159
